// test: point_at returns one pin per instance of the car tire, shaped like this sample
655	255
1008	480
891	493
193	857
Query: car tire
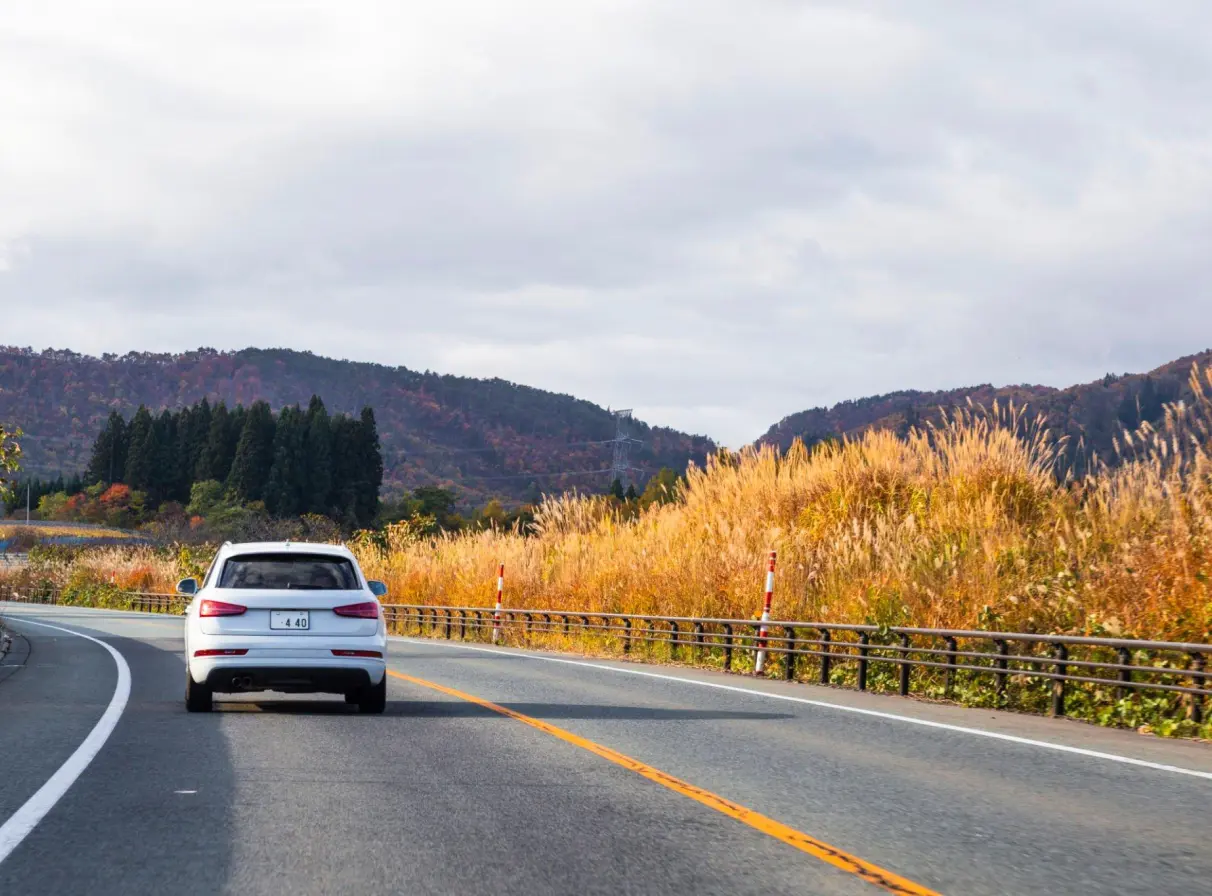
198	697
352	697
374	698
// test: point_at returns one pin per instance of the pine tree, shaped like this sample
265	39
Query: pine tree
202	414
282	495
162	451
315	480
254	454
137	473
235	429
183	472
616	490
369	469
193	431
342	501
214	459
108	461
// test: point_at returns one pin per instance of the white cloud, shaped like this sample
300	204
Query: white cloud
719	213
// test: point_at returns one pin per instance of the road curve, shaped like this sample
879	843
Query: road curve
492	771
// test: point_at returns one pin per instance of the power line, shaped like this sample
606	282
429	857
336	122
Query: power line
443	449
538	475
620	463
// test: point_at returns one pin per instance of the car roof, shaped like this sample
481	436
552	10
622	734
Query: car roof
285	547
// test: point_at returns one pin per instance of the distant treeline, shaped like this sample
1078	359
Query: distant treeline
295	462
34	490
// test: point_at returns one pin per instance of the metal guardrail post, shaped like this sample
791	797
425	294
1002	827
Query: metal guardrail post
698	640
903	672
675	634
864	640
1125	675
1195	711
826	637
1002	665
728	648
626	636
949	683
449	616
789	656
1061	653
462	626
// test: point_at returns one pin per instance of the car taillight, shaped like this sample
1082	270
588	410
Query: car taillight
227	652
219	608
368	610
373	654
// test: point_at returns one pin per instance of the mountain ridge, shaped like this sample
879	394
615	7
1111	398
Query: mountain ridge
481	437
1089	414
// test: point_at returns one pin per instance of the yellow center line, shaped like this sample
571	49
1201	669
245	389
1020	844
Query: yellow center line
838	858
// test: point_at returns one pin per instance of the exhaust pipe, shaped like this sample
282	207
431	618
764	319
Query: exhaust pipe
241	682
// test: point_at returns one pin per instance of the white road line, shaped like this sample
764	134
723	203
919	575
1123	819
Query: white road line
909	720
25	819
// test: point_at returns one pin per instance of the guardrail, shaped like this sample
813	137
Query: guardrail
1026	671
854	655
14	560
144	601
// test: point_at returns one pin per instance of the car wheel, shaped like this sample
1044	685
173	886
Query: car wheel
374	698
198	697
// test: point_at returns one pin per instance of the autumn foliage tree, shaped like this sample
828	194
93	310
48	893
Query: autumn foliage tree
10	454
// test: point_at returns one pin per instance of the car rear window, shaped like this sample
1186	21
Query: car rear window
302	572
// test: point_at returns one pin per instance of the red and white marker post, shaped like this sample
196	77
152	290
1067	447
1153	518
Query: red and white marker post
496	616
760	664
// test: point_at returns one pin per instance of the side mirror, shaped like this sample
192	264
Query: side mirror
378	589
187	586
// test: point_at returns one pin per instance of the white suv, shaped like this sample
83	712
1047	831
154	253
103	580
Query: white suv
279	616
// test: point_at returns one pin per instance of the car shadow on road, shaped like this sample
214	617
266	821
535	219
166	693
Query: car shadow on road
586	711
442	709
277	704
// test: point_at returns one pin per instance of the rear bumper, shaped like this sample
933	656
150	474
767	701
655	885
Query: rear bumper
239	674
286	679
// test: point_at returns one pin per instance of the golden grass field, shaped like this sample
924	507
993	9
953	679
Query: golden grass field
960	525
53	530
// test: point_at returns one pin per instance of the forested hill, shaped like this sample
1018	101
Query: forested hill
1090	414
482	437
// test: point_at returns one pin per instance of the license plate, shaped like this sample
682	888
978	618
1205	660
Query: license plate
292	620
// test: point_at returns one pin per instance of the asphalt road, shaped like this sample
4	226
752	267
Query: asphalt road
276	794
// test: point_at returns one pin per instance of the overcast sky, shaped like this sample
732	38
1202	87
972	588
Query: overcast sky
717	213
